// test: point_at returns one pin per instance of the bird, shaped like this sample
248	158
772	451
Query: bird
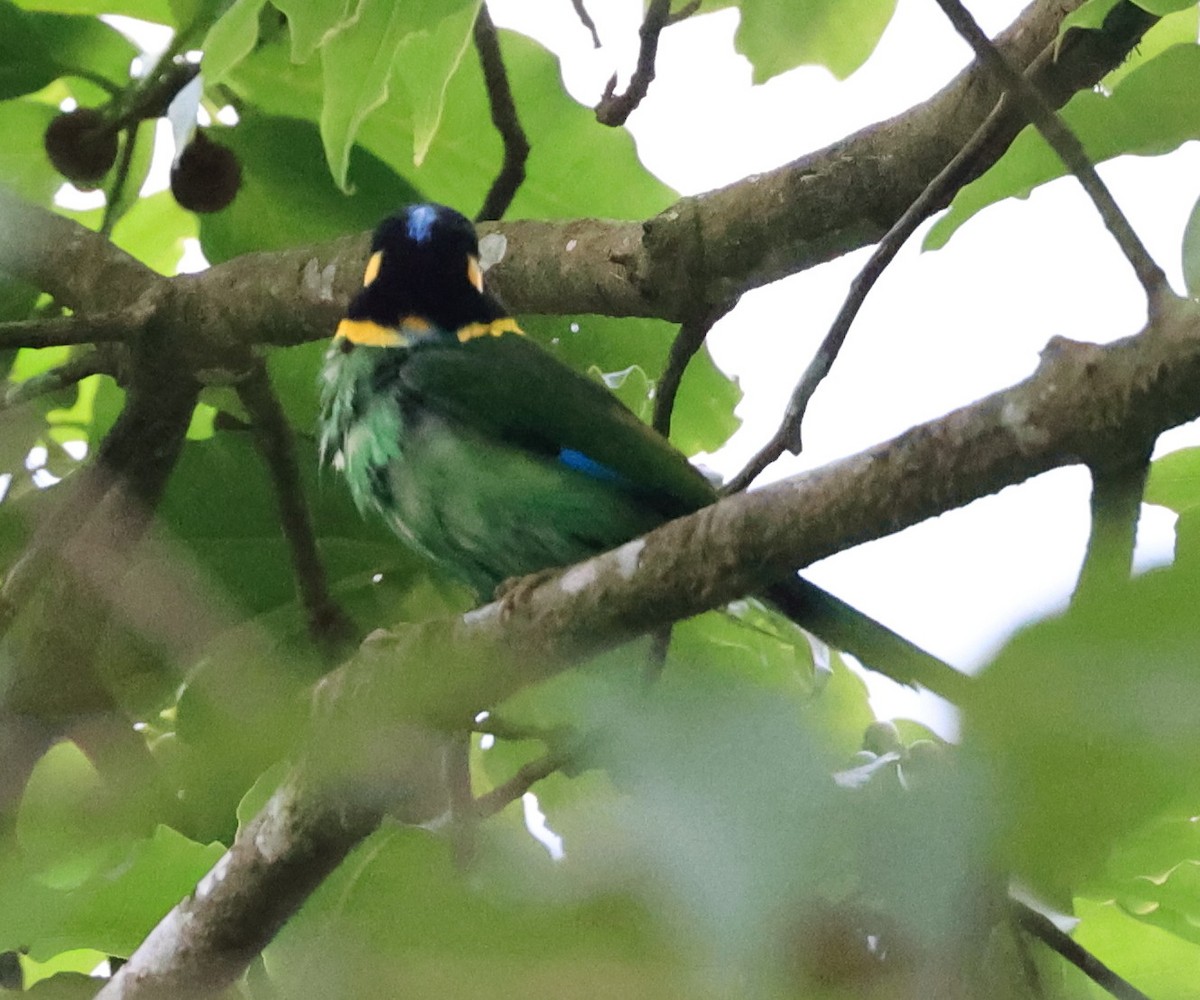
493	458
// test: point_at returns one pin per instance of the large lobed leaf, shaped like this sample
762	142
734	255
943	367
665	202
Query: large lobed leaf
1152	110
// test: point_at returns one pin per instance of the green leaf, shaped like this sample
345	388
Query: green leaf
312	22
238	541
66	824
147	10
154	230
576	167
1152	111
1154	874
85	43
457	937
230	40
1088	15
82	960
837	34
431	58
1164	7
735	768
1174	481
1159	964
1191	252
193	14
1179	28
287	198
704	408
631	387
358	62
26	63
115	911
24	166
1088	722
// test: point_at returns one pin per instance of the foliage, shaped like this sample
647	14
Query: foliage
725	830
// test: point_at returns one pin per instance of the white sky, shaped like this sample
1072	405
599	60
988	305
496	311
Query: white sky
939	330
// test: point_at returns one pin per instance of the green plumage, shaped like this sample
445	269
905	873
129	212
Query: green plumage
494	459
489	456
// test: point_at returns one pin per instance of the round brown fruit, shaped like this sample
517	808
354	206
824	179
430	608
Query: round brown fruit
81	145
206	176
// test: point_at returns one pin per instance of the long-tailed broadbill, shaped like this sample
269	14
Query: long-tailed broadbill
496	460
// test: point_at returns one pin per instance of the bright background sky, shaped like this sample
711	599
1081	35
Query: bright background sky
938	331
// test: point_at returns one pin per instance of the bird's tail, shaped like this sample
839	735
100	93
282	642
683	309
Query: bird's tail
878	648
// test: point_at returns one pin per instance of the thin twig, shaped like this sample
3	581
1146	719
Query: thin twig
688	341
1029	966
948	179
504	117
526	777
114	197
67	374
328	624
98	79
1070	150
80	328
614	108
152	94
684	12
656	656
955	173
502	729
464	822
1044	929
1116	505
586	20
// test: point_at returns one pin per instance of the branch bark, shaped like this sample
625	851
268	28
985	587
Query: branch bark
329	626
614	109
698	253
1083	402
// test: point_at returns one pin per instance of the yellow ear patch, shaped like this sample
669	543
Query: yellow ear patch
475	273
368	333
495	328
373	266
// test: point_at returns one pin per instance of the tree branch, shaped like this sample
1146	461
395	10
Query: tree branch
504	117
526	777
614	108
687	342
586	20
1116	506
1042	927
1069	149
36	244
69	373
951	178
121	325
700	252
1081	402
707	249
328	624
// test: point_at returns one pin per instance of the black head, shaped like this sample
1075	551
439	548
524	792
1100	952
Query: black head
425	266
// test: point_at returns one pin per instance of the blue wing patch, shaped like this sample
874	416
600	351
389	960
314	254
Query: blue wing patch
578	461
420	222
